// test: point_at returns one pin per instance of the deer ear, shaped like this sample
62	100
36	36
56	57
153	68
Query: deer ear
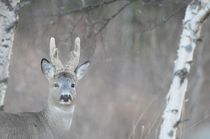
82	69
47	68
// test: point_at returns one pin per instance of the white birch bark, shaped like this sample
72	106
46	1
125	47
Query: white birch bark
196	12
8	20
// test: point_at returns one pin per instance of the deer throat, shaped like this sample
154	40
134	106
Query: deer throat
59	120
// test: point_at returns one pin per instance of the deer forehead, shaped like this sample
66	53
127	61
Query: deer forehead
65	78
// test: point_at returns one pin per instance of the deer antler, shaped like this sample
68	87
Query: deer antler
74	56
54	54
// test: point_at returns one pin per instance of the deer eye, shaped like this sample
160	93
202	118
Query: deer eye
72	85
56	85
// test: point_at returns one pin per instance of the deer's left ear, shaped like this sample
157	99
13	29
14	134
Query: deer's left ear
82	69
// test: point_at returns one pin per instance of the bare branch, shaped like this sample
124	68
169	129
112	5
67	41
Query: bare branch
114	15
90	7
197	123
164	21
147	29
84	9
132	134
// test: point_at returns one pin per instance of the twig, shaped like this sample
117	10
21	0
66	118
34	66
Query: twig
86	8
107	20
141	116
90	7
114	15
197	123
163	21
153	125
76	24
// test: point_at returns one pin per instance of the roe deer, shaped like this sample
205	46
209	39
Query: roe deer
55	120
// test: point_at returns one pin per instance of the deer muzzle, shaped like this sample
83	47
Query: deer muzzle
66	99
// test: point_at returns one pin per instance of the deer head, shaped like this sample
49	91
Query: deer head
63	79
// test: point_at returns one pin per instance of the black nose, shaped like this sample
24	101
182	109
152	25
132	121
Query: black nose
65	98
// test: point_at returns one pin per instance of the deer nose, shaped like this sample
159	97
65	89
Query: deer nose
66	98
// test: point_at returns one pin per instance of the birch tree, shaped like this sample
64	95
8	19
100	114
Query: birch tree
196	13
8	21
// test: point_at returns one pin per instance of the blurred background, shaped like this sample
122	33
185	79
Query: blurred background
132	47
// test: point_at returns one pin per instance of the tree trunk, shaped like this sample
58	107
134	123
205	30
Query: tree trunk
8	21
196	12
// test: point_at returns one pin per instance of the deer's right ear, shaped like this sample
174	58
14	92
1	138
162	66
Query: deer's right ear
47	68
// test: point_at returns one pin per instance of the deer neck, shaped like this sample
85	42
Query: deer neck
59	119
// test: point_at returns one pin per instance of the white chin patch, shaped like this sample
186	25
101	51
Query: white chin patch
65	102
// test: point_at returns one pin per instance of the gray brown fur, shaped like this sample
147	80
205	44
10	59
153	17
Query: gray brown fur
24	126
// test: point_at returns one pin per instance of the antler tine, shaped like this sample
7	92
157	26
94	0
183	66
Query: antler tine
74	56
54	54
76	51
